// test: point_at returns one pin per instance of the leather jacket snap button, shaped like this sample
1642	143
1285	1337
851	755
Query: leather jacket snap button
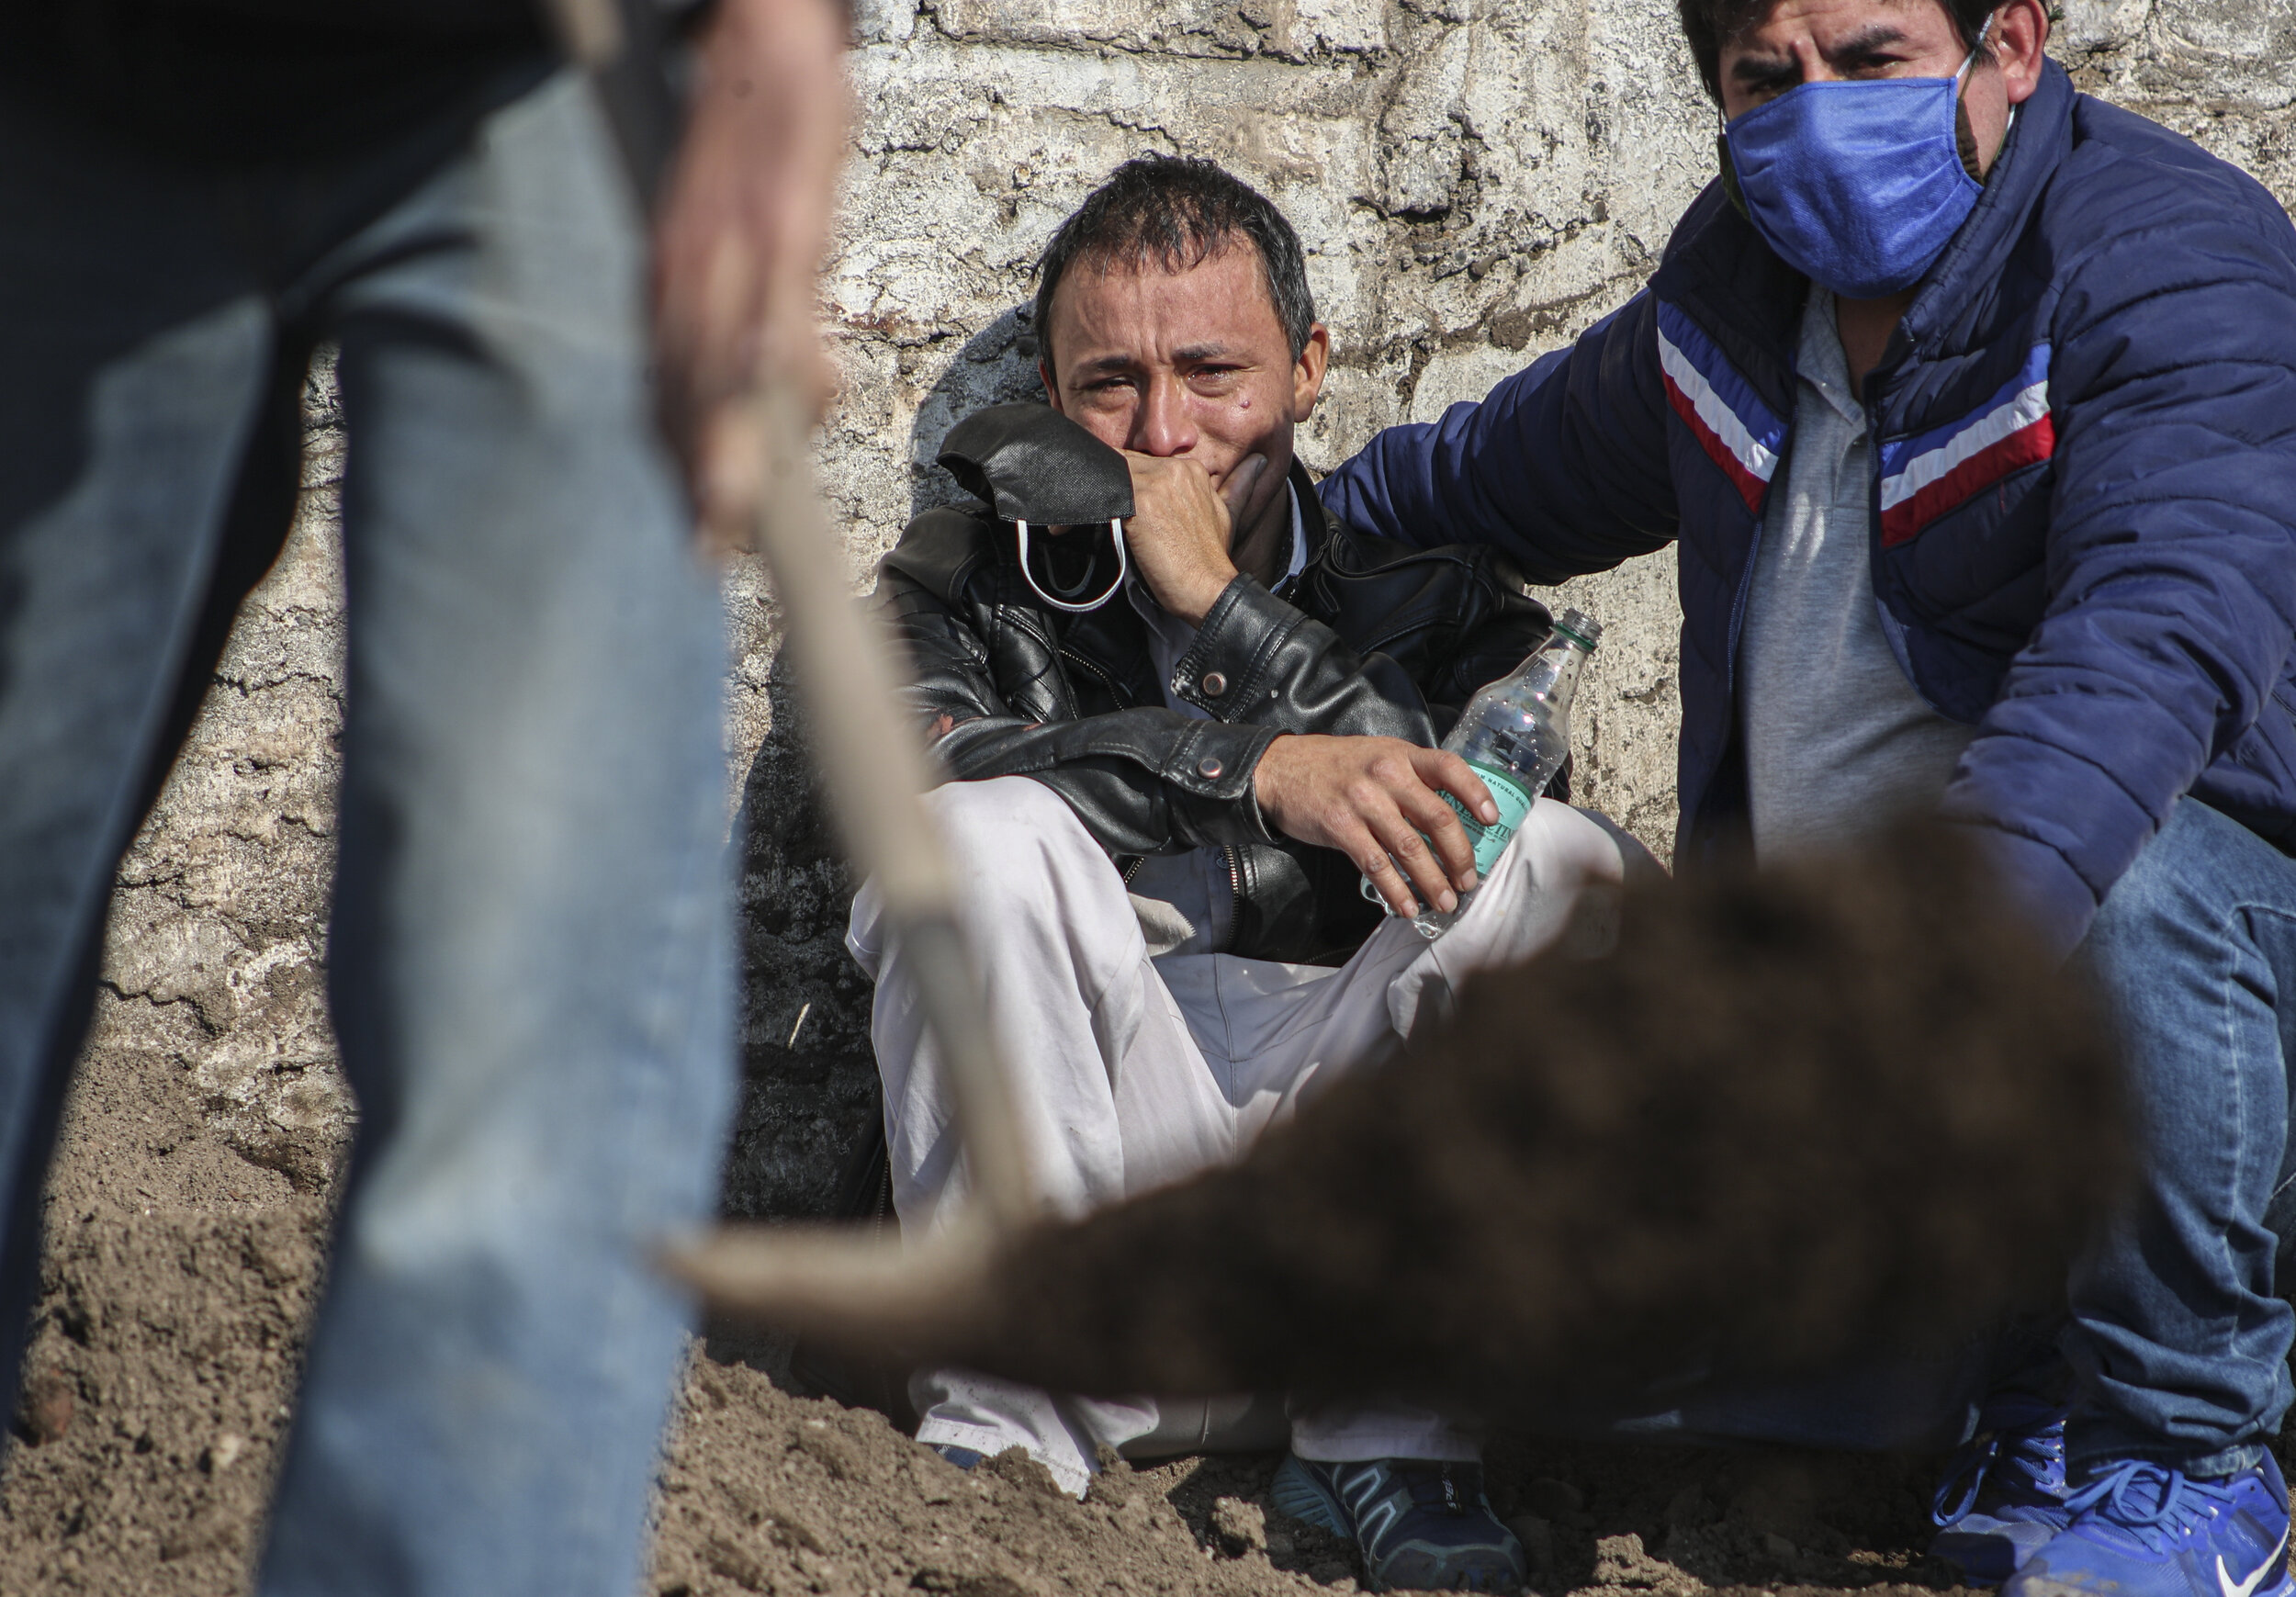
1210	766
1214	684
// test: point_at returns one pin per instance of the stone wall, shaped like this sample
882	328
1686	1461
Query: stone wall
1475	181
216	961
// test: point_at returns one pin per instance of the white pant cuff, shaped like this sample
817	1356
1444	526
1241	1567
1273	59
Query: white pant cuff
989	1442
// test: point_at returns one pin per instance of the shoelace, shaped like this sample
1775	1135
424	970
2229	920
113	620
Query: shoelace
2040	1446
2179	1504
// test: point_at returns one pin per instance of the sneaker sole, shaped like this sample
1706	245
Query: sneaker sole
2283	1587
1991	1558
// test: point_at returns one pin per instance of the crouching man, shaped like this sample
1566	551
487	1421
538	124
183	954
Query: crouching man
1972	404
1165	802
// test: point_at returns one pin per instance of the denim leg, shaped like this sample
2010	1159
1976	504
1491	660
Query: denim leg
530	951
138	366
2175	1330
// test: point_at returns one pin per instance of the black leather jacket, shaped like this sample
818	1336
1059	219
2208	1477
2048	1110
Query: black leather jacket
1373	637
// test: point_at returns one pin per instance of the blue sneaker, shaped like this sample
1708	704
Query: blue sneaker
1422	1525
2143	1530
962	1456
2003	1495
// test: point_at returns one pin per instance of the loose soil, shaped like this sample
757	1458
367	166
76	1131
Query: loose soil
766	1492
183	1257
180	1272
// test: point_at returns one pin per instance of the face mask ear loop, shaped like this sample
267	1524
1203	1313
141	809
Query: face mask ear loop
1970	59
1123	566
1964	135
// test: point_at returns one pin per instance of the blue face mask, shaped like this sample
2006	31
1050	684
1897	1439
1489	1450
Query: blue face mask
1857	185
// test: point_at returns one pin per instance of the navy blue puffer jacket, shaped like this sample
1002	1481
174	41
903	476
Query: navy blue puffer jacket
2084	495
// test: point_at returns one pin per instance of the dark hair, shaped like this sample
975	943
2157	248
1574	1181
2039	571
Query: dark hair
1711	24
1176	211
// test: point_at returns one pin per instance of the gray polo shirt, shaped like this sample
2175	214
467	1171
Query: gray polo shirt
1835	737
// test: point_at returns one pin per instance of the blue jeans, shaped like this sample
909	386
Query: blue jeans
2177	1333
531	942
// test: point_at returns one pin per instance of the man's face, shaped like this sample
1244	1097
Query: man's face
1189	363
1809	41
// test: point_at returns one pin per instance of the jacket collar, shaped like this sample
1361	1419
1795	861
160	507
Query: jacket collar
1718	271
2038	142
1316	523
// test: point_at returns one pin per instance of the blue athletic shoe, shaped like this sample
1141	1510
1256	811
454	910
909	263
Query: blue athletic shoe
1422	1525
962	1456
2003	1495
2143	1530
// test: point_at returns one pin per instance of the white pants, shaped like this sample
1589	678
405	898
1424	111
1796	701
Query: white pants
1134	1073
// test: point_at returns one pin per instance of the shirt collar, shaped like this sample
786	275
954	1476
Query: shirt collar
1819	360
1298	537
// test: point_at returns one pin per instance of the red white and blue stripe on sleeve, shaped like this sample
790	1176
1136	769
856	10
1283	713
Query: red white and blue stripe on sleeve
1743	435
1925	476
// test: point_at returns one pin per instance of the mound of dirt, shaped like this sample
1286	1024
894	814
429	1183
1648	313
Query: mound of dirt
180	1275
767	1492
175	1290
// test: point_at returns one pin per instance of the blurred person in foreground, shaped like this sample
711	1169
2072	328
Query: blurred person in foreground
1970	402
529	960
1165	800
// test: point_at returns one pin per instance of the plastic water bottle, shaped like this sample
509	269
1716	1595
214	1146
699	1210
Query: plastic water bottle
1515	732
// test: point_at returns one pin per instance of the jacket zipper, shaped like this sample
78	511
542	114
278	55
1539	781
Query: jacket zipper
1236	896
1236	864
1109	682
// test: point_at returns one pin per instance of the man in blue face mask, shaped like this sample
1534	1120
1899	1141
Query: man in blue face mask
1970	403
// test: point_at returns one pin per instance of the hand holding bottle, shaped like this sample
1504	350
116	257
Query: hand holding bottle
1380	801
1515	733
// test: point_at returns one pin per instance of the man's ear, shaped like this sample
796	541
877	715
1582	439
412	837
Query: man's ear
2020	38
1052	389
1307	373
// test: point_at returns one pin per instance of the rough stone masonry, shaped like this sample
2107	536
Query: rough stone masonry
1476	181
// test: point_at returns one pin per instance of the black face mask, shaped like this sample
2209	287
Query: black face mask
1037	469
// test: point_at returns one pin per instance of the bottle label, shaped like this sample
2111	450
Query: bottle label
1514	801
